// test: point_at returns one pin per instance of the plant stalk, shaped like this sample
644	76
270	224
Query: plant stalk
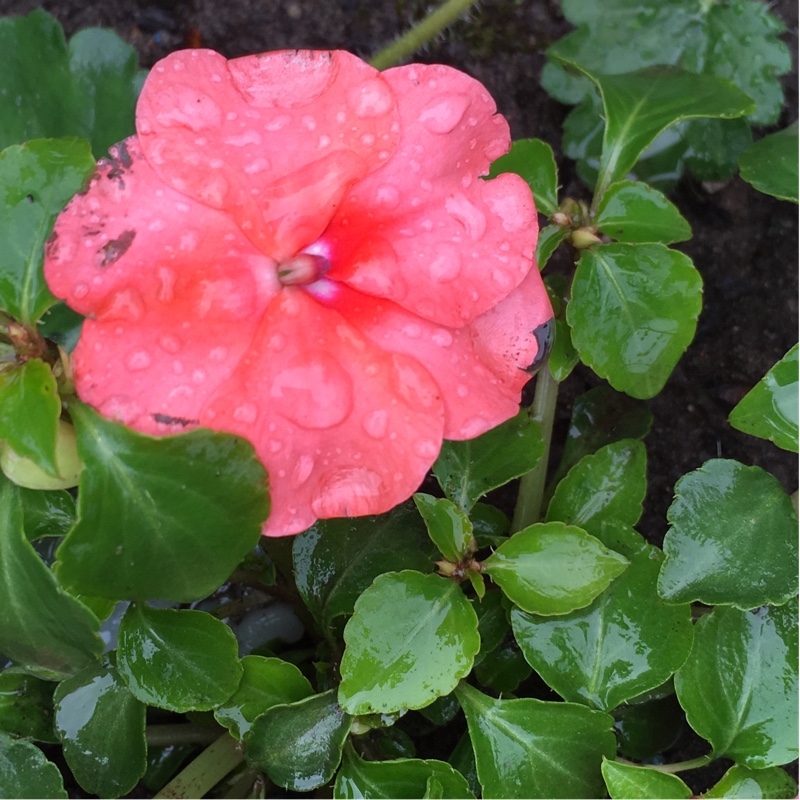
207	770
169	735
421	33
531	486
678	766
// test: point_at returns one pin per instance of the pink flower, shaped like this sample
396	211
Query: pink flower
300	250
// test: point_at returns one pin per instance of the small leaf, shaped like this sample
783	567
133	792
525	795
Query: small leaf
504	669
26	706
633	312
411	639
550	237
552	568
714	146
625	643
47	513
629	781
732	540
299	745
101	725
335	560
648	728
493	624
563	355
769	409
266	682
398	778
468	470
154	515
36	181
739	685
770	164
634	212
42	628
448	526
533	160
177	660
607	485
754	784
530	748
26	773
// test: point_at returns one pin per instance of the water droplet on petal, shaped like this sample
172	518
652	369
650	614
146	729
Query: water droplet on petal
442	337
80	290
244	139
247	412
274	446
388	195
372	98
125	305
199	376
472	428
376	423
426	449
466	213
121	408
218	353
170	344
446	263
139	359
462	390
348	492
444	112
302	469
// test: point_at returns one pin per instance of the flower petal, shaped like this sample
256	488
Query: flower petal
424	230
343	427
274	139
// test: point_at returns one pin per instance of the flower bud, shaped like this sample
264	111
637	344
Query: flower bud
30	475
584	237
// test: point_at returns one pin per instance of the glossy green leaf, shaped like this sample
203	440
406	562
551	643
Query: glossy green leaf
625	643
739	684
530	748
634	212
599	417
448	526
607	485
26	706
42	628
633	312
533	160
47	513
732	540
411	639
563	355
337	559
266	682
26	773
101	726
87	88
714	146
647	729
629	781
399	778
493	624
463	759
36	181
490	525
769	409
550	237
552	568
468	470
504	669
29	412
770	164
754	784
178	660
441	711
300	745
155	515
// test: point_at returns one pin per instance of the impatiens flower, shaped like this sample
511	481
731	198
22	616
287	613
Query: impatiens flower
301	250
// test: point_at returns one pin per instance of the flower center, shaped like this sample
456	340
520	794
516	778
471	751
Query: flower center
302	269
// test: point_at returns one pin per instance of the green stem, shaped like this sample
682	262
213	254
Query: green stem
678	766
531	485
168	735
421	33
207	770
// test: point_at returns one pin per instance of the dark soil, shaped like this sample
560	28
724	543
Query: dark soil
745	244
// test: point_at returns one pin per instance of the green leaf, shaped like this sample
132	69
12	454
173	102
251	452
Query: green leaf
770	164
448	526
399	778
86	89
550	237
47	513
266	682
101	725
633	312
739	684
600	417
42	628
625	643
26	773
552	568
411	639
493	624
489	525
634	212
300	745
26	706
36	181
530	748
154	515
630	781
29	412
647	729
714	146
337	559
468	470
607	485
178	660
754	784
504	669
533	160
732	540
563	355
769	409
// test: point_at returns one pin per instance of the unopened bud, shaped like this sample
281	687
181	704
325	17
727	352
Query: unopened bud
560	218
30	475
584	237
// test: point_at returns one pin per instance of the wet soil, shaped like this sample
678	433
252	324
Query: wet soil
745	244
